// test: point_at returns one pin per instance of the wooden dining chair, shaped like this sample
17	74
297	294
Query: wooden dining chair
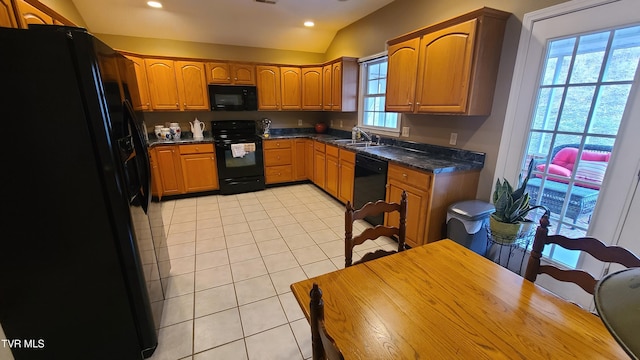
370	208
592	246
322	344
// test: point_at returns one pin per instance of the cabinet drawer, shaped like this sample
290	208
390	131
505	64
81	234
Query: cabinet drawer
277	144
277	174
347	155
416	178
277	157
318	146
332	151
195	149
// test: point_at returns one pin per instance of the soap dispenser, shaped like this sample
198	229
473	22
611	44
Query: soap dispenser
354	132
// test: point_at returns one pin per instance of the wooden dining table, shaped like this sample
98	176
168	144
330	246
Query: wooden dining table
443	301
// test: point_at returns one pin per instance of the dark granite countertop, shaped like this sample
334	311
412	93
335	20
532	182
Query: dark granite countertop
431	158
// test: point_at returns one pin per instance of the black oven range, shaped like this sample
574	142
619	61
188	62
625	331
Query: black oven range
239	156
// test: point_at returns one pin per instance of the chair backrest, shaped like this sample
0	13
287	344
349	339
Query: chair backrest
368	209
322	344
594	247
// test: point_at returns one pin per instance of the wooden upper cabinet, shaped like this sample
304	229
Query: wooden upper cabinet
7	14
138	84
163	87
326	87
290	85
457	65
403	70
312	88
268	83
223	72
192	85
340	85
29	14
446	58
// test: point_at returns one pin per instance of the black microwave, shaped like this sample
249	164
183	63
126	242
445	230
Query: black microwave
233	98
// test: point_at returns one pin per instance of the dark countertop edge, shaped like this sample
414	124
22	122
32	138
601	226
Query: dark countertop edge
456	164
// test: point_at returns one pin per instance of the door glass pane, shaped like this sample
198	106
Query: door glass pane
575	125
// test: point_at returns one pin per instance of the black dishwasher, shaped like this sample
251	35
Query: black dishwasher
369	184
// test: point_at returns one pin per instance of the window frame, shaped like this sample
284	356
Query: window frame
383	131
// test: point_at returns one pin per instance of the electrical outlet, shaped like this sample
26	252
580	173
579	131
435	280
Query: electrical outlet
405	131
453	139
341	124
299	122
331	123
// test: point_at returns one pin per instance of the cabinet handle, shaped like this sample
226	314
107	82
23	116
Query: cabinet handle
228	78
410	103
197	149
278	157
417	103
235	79
404	175
147	104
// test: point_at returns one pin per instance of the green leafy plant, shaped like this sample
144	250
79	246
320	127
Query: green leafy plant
512	206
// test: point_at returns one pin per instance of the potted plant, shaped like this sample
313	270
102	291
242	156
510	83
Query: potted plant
509	221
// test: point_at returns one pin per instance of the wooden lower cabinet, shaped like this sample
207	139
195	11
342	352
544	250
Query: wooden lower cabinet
332	171
278	161
308	161
346	175
428	197
199	169
300	159
169	170
182	169
319	164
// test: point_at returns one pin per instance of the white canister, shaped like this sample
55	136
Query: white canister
158	131
175	130
165	133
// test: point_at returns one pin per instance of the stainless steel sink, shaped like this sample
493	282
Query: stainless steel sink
342	141
363	144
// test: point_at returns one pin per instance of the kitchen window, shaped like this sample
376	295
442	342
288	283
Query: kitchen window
373	85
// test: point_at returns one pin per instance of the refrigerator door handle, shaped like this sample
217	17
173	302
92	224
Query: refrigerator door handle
141	158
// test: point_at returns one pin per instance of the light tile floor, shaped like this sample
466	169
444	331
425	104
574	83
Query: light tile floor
233	258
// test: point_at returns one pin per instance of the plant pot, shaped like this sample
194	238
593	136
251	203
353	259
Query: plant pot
507	233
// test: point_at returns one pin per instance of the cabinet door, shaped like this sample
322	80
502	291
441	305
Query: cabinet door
29	14
218	73
7	14
138	84
312	88
268	79
446	57
319	169
332	175
243	74
169	168
402	71
192	85
336	86
309	157
417	203
199	172
326	87
290	85
163	88
299	160
347	175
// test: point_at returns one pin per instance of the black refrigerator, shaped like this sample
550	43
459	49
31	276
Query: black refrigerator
83	249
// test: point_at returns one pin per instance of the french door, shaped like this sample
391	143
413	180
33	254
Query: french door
575	85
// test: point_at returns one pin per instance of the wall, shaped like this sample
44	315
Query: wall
67	9
369	35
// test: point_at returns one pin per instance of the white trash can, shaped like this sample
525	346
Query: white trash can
467	223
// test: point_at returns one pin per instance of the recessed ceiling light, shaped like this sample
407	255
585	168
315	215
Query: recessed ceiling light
154	4
309	23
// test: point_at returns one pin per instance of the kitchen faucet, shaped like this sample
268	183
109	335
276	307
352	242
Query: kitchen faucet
367	136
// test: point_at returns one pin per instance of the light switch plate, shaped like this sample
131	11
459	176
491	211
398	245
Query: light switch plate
453	139
299	122
405	131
